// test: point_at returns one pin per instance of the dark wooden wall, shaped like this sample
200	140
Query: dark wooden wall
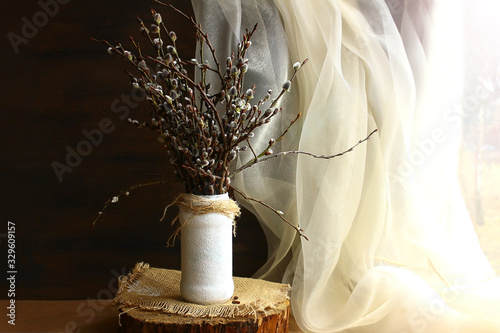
55	85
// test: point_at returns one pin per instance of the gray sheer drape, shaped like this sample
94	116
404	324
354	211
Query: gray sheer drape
391	248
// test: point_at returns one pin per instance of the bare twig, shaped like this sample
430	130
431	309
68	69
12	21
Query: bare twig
298	229
288	128
299	152
125	192
253	151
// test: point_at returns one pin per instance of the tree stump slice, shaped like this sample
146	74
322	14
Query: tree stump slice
149	301
144	321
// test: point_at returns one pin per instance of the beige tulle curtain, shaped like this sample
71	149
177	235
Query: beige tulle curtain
391	246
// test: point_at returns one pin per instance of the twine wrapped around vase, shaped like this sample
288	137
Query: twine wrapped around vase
199	205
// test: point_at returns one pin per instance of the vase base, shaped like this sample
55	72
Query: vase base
206	296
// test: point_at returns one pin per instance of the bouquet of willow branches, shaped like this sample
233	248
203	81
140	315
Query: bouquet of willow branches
202	130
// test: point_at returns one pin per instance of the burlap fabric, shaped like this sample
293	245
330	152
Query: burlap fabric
157	289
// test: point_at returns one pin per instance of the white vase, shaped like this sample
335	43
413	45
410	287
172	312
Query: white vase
206	255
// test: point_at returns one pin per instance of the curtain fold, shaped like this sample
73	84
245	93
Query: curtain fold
391	246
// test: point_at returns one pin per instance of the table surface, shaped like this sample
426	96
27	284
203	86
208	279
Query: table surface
74	316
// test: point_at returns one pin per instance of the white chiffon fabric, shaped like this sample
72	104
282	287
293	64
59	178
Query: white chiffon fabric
391	246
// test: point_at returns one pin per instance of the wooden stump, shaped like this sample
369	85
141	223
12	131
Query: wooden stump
137	320
149	301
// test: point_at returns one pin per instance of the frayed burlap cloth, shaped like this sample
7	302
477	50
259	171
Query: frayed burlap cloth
156	289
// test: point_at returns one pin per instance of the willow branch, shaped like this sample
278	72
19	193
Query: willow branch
202	33
253	151
256	157
299	152
277	212
125	192
203	95
288	128
283	91
299	230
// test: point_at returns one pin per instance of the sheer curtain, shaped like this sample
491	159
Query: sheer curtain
391	246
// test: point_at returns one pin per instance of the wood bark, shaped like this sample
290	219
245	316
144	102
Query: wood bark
276	320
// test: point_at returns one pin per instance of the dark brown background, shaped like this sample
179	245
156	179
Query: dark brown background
58	84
